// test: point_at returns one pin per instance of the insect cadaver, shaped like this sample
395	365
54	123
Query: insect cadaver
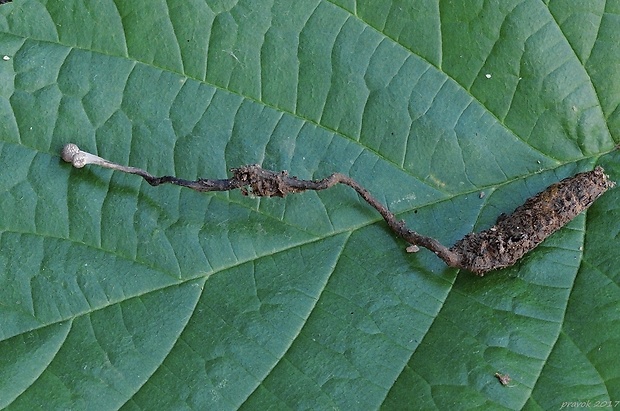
531	223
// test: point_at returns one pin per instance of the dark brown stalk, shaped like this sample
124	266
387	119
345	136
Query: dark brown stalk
500	246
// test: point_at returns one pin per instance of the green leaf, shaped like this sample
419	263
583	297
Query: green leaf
115	294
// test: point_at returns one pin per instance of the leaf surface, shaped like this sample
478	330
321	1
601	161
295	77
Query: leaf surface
116	294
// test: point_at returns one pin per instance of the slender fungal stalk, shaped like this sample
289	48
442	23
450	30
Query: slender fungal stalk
266	183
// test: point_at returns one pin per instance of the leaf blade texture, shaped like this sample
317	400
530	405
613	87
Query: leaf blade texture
122	295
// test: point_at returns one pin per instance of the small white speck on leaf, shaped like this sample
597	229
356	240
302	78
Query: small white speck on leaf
412	248
481	195
488	75
6	58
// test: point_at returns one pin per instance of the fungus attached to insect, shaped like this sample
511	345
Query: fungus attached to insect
500	246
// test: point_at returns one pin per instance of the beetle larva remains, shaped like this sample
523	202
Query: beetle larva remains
530	224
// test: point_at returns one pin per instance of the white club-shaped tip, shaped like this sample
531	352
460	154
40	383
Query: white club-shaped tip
72	154
69	151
